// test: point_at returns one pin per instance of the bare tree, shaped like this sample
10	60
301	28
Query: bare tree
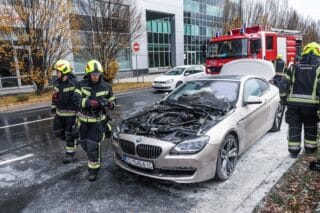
43	32
107	27
231	16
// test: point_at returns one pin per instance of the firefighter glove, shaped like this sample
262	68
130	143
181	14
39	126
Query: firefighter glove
94	104
111	105
103	103
55	97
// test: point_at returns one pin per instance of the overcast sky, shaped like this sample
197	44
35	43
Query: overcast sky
307	8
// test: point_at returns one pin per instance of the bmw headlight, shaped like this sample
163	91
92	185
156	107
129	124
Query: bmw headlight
191	146
169	81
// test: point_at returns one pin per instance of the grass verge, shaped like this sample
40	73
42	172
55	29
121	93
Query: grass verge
297	191
26	98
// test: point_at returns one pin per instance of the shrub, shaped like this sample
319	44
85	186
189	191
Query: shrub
111	70
22	97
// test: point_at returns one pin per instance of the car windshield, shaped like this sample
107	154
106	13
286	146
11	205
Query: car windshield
231	48
175	71
214	93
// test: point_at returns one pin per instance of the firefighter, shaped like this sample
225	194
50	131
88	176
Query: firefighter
65	104
279	66
298	90
97	99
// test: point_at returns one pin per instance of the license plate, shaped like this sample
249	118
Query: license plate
158	85
138	163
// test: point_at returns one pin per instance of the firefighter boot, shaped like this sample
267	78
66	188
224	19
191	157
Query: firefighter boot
93	174
315	165
69	158
294	154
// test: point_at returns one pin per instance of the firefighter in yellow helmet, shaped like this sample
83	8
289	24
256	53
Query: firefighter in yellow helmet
65	104
279	66
299	89
97	99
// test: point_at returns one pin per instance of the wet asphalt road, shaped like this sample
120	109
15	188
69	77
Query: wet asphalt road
33	179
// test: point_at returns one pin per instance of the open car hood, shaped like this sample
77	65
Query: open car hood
254	67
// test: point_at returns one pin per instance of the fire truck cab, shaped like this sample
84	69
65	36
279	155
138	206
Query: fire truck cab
252	42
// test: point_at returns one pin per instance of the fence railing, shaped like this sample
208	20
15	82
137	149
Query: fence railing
14	81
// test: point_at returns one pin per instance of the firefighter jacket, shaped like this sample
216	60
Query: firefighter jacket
66	97
101	93
300	85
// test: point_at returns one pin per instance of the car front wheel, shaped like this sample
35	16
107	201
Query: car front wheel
227	158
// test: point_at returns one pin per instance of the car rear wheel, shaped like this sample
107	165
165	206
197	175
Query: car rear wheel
227	158
178	83
278	118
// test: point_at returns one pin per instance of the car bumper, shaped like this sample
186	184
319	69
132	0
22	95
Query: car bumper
162	86
182	168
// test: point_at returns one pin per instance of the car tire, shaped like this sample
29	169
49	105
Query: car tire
278	117
227	158
178	83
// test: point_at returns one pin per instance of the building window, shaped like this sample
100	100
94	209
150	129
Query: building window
159	42
202	19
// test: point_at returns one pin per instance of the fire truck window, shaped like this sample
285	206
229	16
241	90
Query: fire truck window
269	42
255	46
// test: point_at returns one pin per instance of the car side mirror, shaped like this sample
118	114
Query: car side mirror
253	100
187	74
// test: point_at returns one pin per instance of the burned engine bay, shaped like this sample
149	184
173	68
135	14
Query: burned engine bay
176	120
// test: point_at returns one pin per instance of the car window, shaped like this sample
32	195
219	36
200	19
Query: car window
263	85
197	70
251	88
175	71
190	71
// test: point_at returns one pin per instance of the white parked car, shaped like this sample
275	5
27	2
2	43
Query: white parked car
198	131
178	75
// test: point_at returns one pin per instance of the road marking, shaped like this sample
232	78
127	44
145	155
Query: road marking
28	122
16	159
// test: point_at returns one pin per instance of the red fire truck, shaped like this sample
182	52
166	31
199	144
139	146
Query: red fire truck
252	42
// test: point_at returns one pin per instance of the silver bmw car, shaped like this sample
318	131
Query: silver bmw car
198	131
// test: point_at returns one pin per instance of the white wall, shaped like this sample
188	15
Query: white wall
174	7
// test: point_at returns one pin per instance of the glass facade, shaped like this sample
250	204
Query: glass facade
159	42
202	19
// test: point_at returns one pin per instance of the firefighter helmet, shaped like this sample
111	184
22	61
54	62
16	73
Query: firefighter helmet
279	56
312	47
62	66
93	66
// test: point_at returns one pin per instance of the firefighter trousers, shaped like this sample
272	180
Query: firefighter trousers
296	117
62	127
91	136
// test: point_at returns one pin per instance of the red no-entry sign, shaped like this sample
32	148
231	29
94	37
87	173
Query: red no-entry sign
135	46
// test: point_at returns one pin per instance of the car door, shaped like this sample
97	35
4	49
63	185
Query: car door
199	71
254	115
188	74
